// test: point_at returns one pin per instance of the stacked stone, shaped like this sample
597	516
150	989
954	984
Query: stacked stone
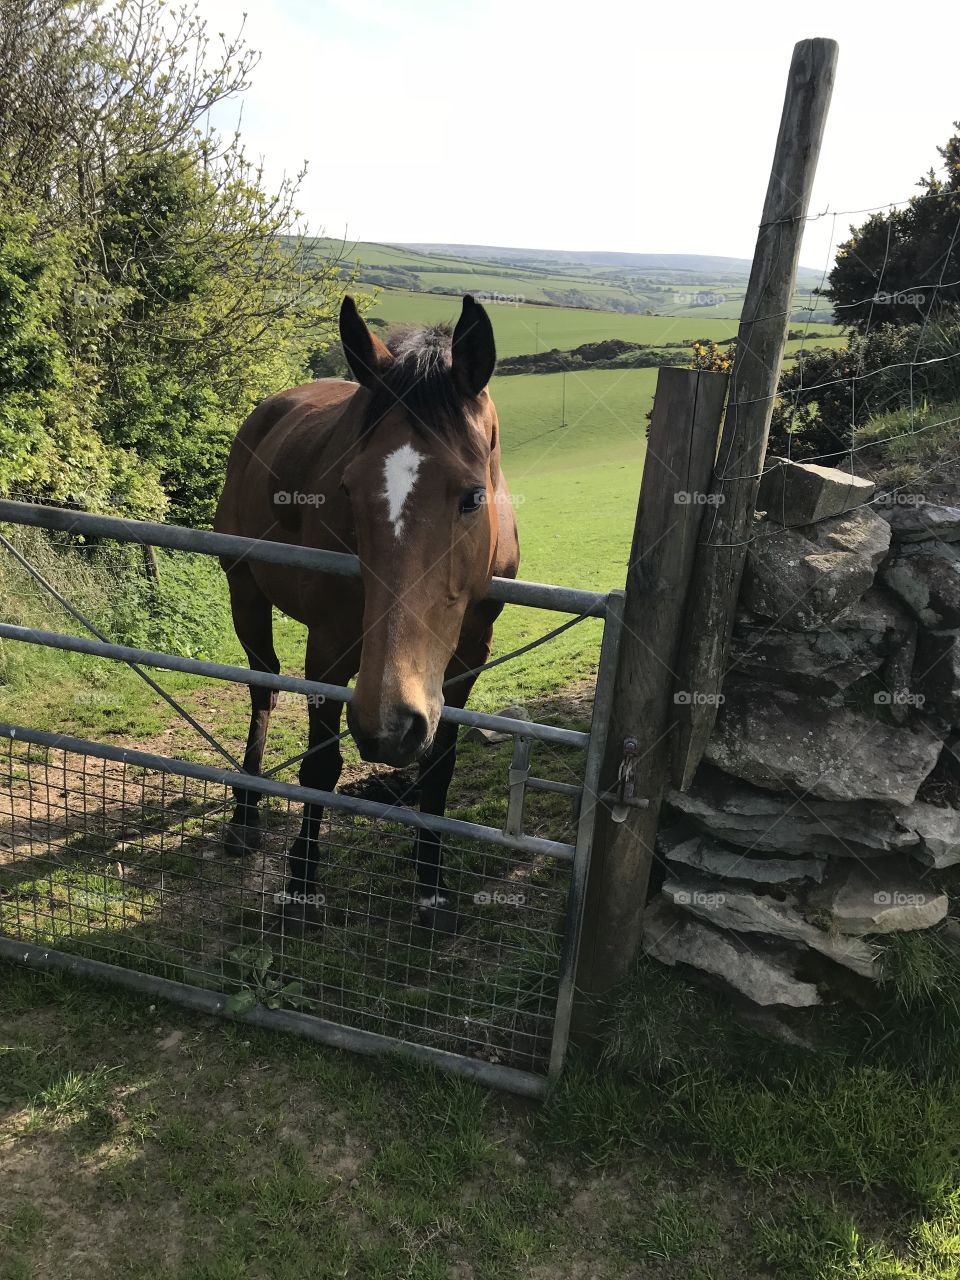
802	838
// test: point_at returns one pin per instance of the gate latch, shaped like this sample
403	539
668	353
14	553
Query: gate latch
624	796
518	775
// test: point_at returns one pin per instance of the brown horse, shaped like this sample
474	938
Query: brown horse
402	468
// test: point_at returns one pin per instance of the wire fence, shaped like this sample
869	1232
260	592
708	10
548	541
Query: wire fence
917	386
117	855
126	865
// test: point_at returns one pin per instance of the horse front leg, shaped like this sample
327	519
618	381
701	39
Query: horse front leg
253	623
320	770
438	907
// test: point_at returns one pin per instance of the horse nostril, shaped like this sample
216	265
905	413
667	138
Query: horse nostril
411	728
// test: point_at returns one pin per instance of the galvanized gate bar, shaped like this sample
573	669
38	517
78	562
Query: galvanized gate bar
333	1034
586	823
537	595
266	679
290	791
574	858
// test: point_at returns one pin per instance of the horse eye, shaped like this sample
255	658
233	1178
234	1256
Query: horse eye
472	500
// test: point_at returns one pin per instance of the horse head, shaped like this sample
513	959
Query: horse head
424	488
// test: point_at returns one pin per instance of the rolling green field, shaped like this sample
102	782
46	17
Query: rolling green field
523	328
673	284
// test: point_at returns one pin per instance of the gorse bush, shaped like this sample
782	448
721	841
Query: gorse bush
894	286
904	264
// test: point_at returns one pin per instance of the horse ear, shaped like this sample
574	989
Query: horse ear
474	350
366	355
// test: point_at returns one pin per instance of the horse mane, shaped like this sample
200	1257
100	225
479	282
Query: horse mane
419	378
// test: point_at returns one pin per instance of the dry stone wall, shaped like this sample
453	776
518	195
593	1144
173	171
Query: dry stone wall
825	814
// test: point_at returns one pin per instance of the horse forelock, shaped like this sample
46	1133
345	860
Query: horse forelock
420	380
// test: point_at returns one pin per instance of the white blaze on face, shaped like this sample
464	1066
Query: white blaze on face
400	470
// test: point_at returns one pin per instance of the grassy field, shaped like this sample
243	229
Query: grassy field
521	329
672	285
140	1142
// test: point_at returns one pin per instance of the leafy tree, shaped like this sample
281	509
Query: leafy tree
902	266
168	287
47	445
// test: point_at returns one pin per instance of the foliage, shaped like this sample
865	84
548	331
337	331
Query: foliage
47	445
710	355
915	447
258	984
151	291
904	265
829	395
184	611
896	284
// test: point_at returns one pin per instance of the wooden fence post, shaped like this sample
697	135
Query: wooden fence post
756	373
681	451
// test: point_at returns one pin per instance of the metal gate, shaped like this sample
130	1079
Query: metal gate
112	863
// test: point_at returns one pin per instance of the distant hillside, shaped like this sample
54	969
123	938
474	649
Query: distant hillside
639	284
695	263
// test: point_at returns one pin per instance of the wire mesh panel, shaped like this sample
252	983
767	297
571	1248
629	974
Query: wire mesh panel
126	865
113	859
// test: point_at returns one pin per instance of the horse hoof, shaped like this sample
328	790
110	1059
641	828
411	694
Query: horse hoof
299	909
296	919
240	840
439	913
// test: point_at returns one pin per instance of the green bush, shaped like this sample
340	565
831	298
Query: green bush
832	394
185	611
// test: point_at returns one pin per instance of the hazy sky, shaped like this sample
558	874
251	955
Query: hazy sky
583	126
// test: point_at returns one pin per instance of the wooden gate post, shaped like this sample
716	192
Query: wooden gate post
681	450
681	598
753	387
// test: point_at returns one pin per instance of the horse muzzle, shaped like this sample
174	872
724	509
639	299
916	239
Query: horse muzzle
404	737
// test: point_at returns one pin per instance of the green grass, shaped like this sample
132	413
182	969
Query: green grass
221	1151
916	448
525	328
